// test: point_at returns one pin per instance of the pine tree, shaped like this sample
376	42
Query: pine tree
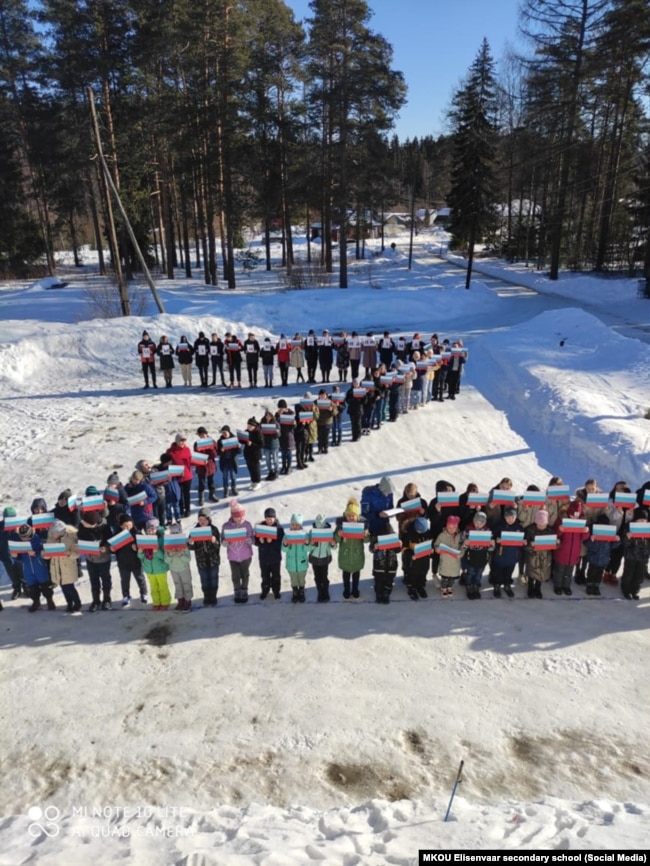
472	196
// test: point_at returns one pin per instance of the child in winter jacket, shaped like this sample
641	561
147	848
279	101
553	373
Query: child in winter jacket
63	569
636	552
228	462
270	555
475	557
207	474
351	549
239	547
208	558
253	451
128	564
416	567
447	546
296	558
569	550
505	556
179	565
597	555
384	565
539	561
35	569
93	527
155	566
320	557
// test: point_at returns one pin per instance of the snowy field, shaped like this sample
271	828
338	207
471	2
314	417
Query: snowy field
278	734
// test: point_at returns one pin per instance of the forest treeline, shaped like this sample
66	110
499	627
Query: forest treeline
217	117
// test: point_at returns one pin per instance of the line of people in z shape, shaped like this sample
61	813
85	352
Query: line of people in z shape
347	353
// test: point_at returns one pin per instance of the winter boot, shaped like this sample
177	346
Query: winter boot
200	499
213	495
48	598
497	592
301	594
294	596
35	595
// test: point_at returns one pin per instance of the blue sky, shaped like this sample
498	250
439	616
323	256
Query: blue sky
434	43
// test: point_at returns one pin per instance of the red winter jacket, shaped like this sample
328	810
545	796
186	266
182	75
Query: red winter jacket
568	553
182	457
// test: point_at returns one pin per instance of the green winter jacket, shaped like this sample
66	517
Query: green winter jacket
352	555
157	564
296	556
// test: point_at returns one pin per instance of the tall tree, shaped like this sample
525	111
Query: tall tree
353	87
472	196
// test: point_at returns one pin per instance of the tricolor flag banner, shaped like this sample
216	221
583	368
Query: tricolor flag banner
597	500
175	542
399	379
183	347
532	499
350	529
436	359
545	542
422	365
557	492
411	504
233	347
447	500
295	344
263	530
445	550
324	404
388	542
147	542
459	352
295	536
20	546
503	497
89	548
229	443
603	532
93	503
230	535
111	494
368	385
646	498
175	470
639	530
446	355
42	521
305	417
570	524
199	459
323	535
54	549
13	523
204	444
512	539
424	548
479	538
359	393
243	437
161	477
624	500
73	501
387	379
269	429
137	498
477	498
338	398
405	370
120	540
306	404
202	533
287	419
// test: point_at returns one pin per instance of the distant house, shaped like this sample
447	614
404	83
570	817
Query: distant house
442	218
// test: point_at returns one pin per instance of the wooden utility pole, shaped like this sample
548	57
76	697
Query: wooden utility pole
124	292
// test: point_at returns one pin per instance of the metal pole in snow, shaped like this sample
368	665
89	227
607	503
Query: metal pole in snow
456	784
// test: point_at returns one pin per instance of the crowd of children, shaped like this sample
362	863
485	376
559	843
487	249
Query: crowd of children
552	537
428	369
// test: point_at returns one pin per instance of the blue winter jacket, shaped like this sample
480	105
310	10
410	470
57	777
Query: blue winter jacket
35	568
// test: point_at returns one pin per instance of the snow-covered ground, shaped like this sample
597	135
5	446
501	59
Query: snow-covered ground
281	734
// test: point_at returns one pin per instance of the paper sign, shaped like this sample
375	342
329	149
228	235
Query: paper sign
359	393
20	546
557	492
445	550
231	535
147	542
201	533
111	495
512	539
477	498
545	542
533	500
295	536
42	521
199	459
161	477
639	530
269	429
305	417
352	530
230	443
597	500
503	497
323	535
573	525
89	548
410	504
54	549
176	470
13	523
602	532
263	530
624	500
92	503
243	437
388	542
448	500
204	444
424	548
479	538
137	498
121	539
175	542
